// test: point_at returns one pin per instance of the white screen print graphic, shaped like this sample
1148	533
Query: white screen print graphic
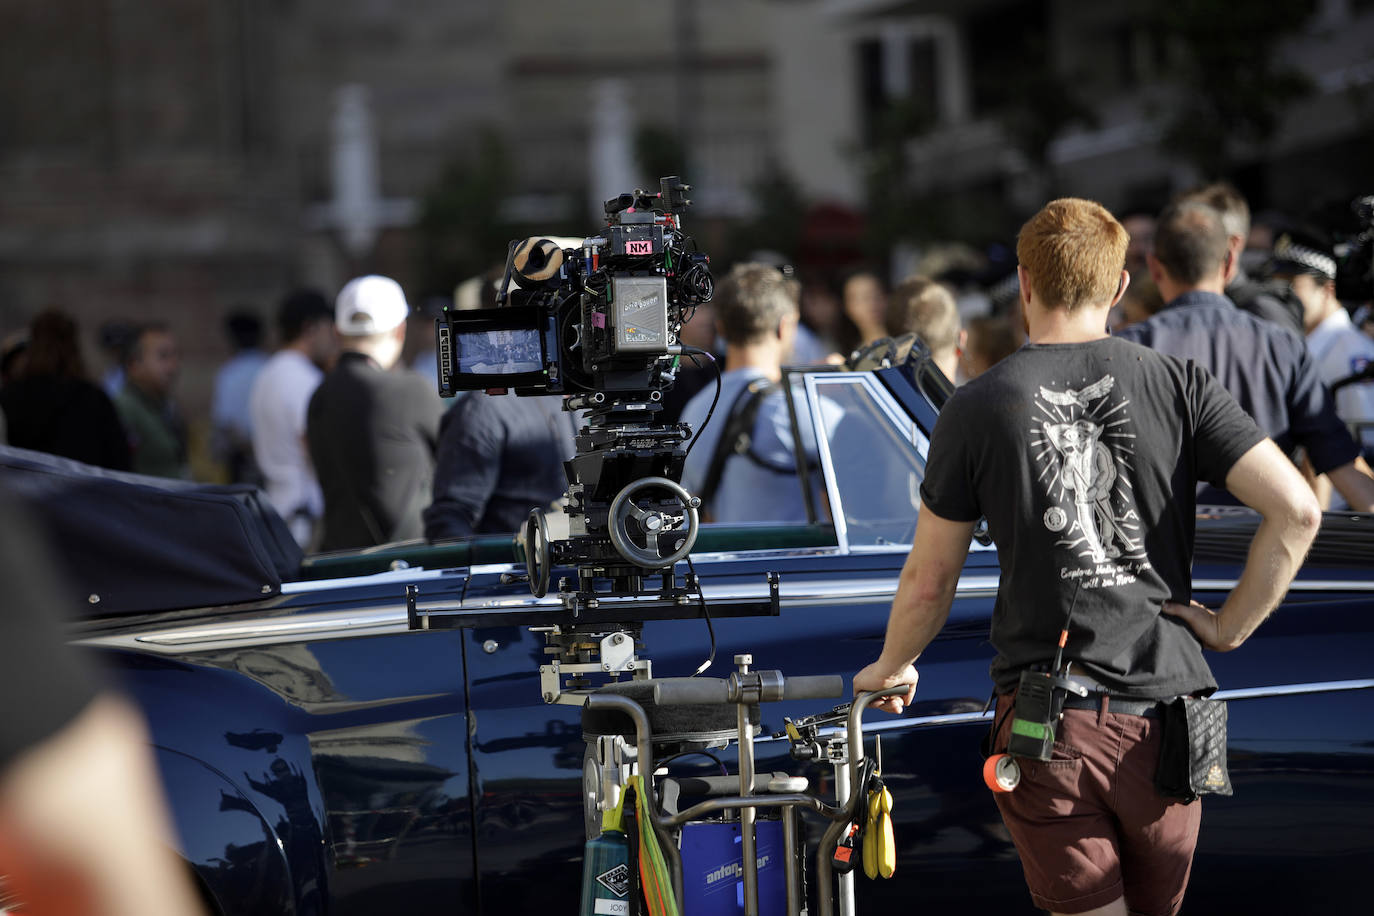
1082	445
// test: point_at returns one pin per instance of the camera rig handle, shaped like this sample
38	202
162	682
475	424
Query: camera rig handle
538	560
634	516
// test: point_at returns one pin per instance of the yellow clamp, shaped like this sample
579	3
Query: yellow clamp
880	849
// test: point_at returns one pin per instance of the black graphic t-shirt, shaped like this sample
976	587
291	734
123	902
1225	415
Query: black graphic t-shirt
1084	459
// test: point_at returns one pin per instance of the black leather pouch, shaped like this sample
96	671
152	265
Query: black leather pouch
1192	756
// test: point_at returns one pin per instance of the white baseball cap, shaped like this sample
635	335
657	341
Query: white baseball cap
369	305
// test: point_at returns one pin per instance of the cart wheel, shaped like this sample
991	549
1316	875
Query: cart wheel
1001	773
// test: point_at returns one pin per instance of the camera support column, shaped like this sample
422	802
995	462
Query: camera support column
747	711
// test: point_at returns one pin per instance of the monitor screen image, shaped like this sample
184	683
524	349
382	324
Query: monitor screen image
504	352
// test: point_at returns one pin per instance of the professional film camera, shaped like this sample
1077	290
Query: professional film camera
598	323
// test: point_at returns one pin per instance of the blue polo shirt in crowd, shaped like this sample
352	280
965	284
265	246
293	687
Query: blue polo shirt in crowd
1265	367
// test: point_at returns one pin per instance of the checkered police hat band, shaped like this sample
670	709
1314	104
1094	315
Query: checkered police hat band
1285	250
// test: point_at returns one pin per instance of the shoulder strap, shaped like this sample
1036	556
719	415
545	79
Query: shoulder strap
739	430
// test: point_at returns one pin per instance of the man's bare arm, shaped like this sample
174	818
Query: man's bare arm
1355	481
925	592
84	824
1267	482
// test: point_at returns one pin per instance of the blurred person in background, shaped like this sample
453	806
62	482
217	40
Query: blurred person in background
84	828
12	350
231	436
1264	227
423	340
921	305
1140	300
1140	227
1272	302
698	331
742	464
1264	366
499	457
277	408
157	435
372	429
988	340
52	406
115	338
822	313
1306	263
865	306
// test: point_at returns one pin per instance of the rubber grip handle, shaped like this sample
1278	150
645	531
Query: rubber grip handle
692	692
813	687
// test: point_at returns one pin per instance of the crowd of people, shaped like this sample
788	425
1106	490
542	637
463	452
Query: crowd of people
353	447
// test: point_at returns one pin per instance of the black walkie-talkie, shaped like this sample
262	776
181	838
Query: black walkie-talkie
1040	700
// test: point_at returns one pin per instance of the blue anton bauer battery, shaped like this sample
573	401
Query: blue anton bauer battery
713	872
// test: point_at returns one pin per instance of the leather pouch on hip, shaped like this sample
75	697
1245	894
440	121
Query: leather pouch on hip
1192	756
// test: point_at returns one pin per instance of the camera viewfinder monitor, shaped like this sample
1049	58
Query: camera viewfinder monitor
496	348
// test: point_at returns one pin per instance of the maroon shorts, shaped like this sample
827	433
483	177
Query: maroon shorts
1089	824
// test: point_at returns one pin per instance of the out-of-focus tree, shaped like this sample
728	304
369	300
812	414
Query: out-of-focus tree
1041	103
462	231
901	208
779	216
1232	86
659	153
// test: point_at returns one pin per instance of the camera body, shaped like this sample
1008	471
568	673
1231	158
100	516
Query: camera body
599	318
598	323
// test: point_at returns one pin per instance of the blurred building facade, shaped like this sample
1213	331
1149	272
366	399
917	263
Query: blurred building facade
1099	82
173	158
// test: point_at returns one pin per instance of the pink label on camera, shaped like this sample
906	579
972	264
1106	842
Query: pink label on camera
598	319
645	246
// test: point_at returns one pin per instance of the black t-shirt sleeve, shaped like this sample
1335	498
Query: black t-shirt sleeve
47	683
1222	430
948	487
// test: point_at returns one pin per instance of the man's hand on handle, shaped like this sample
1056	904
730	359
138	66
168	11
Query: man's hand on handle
878	677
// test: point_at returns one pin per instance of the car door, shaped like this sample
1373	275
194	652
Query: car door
313	748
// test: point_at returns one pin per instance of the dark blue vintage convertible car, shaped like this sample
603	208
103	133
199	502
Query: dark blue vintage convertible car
322	757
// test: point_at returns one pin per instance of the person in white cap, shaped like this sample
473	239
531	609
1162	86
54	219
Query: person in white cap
371	427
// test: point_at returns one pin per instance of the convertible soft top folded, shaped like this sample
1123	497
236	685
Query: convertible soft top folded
136	544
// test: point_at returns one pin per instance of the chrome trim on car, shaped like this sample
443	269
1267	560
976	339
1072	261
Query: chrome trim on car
375	621
832	487
1243	693
381	578
1302	585
260	631
1283	690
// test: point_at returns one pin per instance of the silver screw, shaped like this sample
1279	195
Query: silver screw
490	646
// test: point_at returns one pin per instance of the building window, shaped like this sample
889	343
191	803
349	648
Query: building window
908	77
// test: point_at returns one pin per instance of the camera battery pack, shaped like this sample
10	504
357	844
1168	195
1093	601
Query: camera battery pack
639	308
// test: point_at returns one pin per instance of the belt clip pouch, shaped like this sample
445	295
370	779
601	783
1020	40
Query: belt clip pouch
1192	756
